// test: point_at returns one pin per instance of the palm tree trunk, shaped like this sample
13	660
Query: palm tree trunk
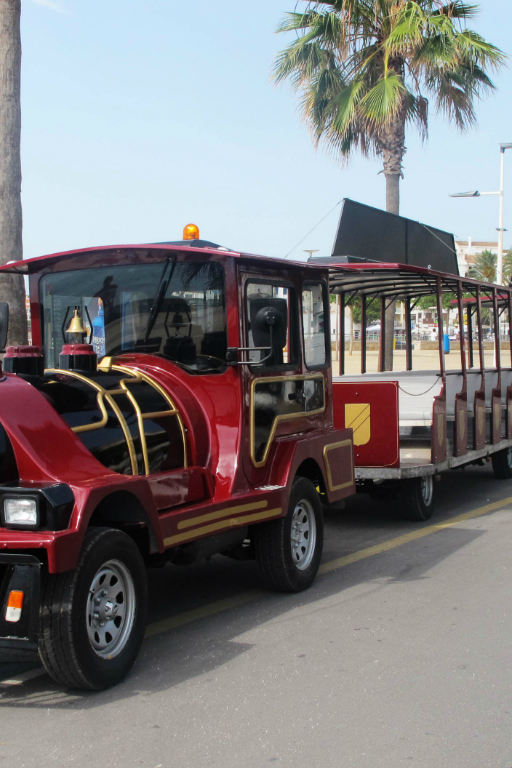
12	288
393	193
392	206
392	146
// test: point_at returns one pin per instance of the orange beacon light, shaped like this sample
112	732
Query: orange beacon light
191	232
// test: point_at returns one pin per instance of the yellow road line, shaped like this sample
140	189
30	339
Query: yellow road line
340	562
245	597
24	676
204	610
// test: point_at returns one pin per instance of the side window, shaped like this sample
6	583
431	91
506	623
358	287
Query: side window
282	299
315	324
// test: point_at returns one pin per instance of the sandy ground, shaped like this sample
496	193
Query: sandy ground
422	360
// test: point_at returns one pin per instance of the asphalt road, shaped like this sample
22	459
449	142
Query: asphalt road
399	655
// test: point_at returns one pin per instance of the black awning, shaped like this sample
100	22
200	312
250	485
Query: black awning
370	234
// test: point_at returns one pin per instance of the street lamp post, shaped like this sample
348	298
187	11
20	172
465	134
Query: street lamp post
501	194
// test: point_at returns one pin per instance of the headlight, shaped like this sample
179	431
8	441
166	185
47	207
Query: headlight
20	512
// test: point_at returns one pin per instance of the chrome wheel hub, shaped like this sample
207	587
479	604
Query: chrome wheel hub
110	609
303	534
427	489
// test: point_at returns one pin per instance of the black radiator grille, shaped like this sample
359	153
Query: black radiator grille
5	577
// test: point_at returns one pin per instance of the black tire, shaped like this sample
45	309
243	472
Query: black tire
289	565
70	627
502	464
417	498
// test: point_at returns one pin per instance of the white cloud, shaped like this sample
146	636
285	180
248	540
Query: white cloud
49	4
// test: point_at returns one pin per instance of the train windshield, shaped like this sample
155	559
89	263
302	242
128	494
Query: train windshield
172	309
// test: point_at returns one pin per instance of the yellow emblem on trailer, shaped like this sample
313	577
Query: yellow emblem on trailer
357	417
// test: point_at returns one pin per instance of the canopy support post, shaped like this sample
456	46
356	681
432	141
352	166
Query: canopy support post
408	335
382	345
440	325
341	323
363	334
469	315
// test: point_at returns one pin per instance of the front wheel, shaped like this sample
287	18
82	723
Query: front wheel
93	618
288	550
502	464
417	498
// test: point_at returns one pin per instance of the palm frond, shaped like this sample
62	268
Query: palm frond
453	99
384	100
471	47
299	61
364	68
418	113
294	21
458	10
344	106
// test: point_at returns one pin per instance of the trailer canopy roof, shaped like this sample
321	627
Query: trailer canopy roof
398	281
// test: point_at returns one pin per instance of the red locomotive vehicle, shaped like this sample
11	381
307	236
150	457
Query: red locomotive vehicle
177	403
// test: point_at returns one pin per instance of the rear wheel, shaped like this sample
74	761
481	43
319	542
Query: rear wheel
93	618
502	464
288	550
417	498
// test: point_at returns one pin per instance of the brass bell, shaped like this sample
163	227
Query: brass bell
76	325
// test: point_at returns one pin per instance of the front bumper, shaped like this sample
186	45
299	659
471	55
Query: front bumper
20	572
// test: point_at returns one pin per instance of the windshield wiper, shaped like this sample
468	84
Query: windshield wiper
163	285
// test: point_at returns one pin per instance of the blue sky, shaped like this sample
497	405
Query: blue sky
141	116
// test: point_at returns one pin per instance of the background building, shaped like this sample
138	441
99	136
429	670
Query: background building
468	251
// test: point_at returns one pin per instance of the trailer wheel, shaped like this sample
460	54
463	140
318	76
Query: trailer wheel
502	464
417	498
288	550
93	618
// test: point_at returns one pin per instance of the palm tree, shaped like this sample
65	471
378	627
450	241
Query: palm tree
365	69
12	288
507	266
485	266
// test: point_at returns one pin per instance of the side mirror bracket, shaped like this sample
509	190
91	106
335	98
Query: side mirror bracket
233	353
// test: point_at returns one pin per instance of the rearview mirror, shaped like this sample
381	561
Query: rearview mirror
4	324
269	325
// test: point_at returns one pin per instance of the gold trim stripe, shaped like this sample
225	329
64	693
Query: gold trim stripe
144	377
279	417
106	394
134	377
227	523
159	414
191	521
326	450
